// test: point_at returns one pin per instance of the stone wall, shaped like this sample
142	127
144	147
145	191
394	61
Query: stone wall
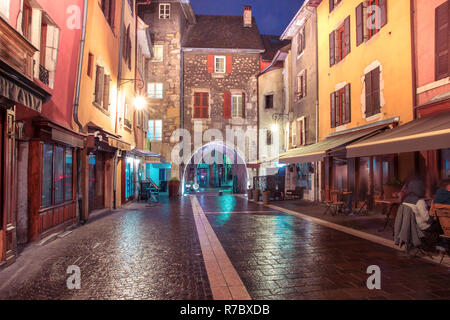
241	79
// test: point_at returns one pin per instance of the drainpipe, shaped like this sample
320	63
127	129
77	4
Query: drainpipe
413	57
80	68
316	171
119	76
181	105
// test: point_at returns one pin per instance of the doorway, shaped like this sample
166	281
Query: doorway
96	181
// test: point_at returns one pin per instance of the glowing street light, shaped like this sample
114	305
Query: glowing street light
140	103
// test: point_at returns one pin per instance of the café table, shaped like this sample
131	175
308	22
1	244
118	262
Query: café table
388	207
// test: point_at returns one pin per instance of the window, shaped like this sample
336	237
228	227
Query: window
127	48
154	132
269	101
269	137
155	90
158	53
131	4
298	132
371	16
442	40
372	82
26	21
4	8
48	52
340	42
201	105
301	42
164	11
90	66
219	64
102	88
108	8
340	107
333	4
236	105
301	85
57	175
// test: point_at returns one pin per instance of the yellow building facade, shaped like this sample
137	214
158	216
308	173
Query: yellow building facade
388	49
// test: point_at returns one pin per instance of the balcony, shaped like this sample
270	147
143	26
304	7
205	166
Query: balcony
44	75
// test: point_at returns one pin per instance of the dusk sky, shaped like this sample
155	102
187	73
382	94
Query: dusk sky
272	16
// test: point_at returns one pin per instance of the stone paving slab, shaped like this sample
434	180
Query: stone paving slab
133	253
279	256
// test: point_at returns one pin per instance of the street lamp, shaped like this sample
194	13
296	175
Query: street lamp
140	103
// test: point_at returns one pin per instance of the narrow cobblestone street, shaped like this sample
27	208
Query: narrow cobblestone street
142	252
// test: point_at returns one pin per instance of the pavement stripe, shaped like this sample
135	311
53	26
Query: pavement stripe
223	278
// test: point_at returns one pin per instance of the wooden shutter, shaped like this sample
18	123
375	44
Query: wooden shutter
304	84
359	24
347	36
205	105
331	5
347	105
227	105
368	81
229	67
442	45
333	109
197	105
211	63
106	92
376	90
382	4
304	38
113	13
243	105
299	86
332	48
99	77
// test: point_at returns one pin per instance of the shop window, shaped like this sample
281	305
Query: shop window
57	175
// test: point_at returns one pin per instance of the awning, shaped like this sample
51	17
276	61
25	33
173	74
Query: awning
428	133
146	155
318	151
268	159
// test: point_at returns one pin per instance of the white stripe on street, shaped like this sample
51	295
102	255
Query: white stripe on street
223	278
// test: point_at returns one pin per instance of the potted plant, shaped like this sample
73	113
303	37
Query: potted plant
265	196
256	193
392	187
174	187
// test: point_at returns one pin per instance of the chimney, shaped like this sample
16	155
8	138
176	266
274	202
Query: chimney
247	16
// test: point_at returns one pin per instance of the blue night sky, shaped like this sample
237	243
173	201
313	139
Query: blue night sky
272	16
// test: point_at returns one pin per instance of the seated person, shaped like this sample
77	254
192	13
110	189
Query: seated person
415	193
443	194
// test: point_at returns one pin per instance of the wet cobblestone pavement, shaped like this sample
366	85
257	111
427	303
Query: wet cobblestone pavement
279	256
133	253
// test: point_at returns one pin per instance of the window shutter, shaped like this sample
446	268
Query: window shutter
347	36
332	48
304	85
359	24
331	5
299	86
205	105
333	109
347	106
382	4
197	105
368	82
113	13
442	45
227	105
51	48
304	38
106	92
210	63
376	91
99	84
243	105
229	64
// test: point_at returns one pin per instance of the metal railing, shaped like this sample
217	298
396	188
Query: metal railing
44	75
